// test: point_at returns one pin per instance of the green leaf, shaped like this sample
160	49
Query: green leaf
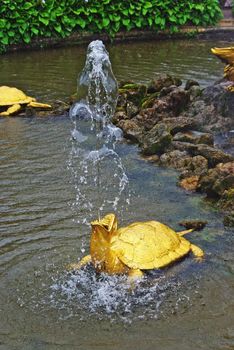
126	22
34	30
27	38
81	22
5	40
148	5
105	22
27	5
58	28
45	21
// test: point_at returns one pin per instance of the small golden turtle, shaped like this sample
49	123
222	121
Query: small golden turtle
139	246
226	55
11	100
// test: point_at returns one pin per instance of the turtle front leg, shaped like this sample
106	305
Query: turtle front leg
11	110
198	252
77	266
135	274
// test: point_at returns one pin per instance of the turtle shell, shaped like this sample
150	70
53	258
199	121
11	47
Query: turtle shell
10	96
148	245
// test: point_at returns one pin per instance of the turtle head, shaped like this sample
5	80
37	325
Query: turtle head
108	224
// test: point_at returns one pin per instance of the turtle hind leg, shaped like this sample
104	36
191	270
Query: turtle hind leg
11	110
198	252
230	88
35	104
77	266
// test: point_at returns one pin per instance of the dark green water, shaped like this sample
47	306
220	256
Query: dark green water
189	306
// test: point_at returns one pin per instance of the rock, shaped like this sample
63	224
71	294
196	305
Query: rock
136	93
131	130
229	220
221	185
188	147
221	98
165	80
175	159
156	140
119	116
189	83
131	109
213	155
194	92
147	118
227	200
218	181
121	102
198	165
181	123
193	224
190	183
208	117
195	137
226	169
166	90
178	100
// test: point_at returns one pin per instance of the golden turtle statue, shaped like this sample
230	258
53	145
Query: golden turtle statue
12	99
226	55
139	246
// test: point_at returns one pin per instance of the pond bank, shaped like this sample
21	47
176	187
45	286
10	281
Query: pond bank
176	127
225	31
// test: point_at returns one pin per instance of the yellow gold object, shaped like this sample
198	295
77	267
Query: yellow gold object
139	246
11	99
226	55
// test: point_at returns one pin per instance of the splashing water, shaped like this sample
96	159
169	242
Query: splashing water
101	183
110	296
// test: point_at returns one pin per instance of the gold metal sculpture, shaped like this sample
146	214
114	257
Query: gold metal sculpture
12	100
139	246
226	55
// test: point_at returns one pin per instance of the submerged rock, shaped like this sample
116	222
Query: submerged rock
193	224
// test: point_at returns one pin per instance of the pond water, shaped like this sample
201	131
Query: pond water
42	228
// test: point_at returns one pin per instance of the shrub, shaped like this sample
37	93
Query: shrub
22	21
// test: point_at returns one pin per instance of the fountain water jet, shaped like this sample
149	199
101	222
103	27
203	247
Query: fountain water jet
95	162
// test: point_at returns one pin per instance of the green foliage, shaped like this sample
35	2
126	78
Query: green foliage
22	21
